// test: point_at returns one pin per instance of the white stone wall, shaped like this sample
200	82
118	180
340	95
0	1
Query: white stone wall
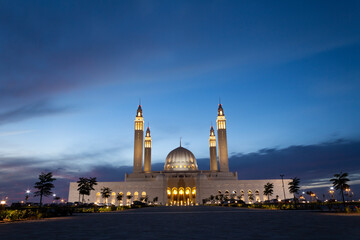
151	188
156	187
212	187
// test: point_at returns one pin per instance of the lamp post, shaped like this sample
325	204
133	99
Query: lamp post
331	191
347	190
282	179
27	195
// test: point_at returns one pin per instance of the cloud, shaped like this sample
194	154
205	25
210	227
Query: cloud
313	164
24	112
20	132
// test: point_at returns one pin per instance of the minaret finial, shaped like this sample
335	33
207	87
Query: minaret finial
219	100
180	141
139	101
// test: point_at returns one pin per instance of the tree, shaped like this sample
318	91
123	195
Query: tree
144	198
212	197
340	183
105	193
129	197
268	190
85	185
56	198
44	185
251	197
294	186
82	187
311	194
119	197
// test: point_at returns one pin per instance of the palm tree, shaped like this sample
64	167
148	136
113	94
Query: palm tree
294	186
311	194
340	183
92	182
251	197
82	187
268	189
119	197
105	193
44	186
129	197
212	197
85	185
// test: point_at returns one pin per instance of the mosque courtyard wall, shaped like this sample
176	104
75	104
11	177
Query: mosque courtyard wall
157	188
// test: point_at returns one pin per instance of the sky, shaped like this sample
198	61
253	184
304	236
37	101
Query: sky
72	74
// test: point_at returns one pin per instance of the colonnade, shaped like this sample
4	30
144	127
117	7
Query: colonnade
181	196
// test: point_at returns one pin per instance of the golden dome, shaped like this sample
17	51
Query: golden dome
180	159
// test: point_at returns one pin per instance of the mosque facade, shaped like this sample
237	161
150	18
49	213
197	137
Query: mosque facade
181	182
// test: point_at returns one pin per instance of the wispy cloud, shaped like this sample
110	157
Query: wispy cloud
11	133
28	111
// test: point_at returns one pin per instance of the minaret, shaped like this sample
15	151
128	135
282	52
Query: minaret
147	157
212	146
138	142
222	140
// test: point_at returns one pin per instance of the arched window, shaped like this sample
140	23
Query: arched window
128	197
136	196
113	198
242	195
257	196
98	197
122	198
250	196
143	197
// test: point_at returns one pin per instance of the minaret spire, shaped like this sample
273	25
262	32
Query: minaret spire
222	140
147	157
212	147
180	141
138	141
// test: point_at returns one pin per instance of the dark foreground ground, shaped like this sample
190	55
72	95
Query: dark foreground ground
189	223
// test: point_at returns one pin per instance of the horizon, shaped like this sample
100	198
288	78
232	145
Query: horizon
72	74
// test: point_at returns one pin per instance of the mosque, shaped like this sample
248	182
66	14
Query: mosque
181	182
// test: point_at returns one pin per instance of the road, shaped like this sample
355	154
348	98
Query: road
189	223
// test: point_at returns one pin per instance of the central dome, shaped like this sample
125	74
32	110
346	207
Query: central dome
180	159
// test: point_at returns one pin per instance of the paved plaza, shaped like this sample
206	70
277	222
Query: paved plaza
189	223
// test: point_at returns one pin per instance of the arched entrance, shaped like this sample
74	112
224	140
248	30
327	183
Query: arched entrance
181	196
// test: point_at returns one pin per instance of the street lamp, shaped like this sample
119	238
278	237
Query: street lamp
347	190
27	195
331	191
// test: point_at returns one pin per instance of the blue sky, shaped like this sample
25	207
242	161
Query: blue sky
72	73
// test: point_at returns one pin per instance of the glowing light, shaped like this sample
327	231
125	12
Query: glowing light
181	191
187	192
168	192
3	202
28	191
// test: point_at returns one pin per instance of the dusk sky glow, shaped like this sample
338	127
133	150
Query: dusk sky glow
72	74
